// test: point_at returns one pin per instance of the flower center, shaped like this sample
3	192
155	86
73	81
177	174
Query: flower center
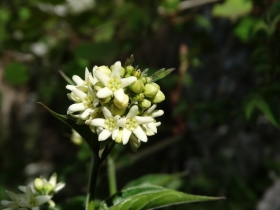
114	84
110	124
131	124
33	202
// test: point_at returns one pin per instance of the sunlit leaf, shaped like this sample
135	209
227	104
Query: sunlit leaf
232	9
146	197
171	181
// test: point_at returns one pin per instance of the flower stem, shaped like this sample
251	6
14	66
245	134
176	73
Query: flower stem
94	169
112	176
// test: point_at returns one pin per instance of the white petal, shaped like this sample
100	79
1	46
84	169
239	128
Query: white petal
53	179
153	127
127	81
103	78
157	113
78	80
91	92
59	186
141	120
92	79
6	203
119	95
24	203
76	108
126	135
121	122
158	124
22	188
95	102
12	195
104	135
29	193
79	93
86	73
152	108
85	114
116	71
42	199
107	113
132	112
70	87
147	130
82	88
104	93
115	133
140	134
98	122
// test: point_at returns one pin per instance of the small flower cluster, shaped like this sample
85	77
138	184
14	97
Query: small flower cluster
117	102
33	198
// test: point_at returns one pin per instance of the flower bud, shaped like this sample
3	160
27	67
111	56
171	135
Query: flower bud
104	69
159	97
137	86
105	100
137	73
134	143
129	69
151	90
116	110
122	104
38	184
48	187
127	75
145	104
119	136
98	86
122	72
143	79
139	97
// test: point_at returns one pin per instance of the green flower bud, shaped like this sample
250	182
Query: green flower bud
127	75
48	187
129	69
159	97
139	97
105	100
151	90
98	86
137	86
143	79
122	72
134	143
104	69
116	110
137	73
38	184
119	137
145	104
122	104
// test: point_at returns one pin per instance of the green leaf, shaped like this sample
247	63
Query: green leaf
171	181
16	73
83	130
146	197
105	32
265	108
102	148
232	9
250	107
129	61
244	28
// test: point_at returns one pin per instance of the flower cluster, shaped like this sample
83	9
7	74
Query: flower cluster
33	198
117	102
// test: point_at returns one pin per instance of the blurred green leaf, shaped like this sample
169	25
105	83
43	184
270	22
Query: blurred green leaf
171	181
203	22
4	15
146	197
265	108
244	28
232	9
24	13
16	73
105	32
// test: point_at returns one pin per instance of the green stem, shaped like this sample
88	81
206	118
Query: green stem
112	176
94	169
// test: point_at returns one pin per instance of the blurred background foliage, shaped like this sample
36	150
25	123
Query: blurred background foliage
220	132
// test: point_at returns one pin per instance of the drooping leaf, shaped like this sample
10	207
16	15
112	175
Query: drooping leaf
146	197
161	74
83	130
232	9
171	181
266	110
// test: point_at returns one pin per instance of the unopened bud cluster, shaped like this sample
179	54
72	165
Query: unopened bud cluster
41	193
117	102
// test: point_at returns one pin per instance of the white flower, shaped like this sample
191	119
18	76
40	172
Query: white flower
13	204
53	182
85	102
83	84
32	201
109	125
131	123
151	127
114	84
